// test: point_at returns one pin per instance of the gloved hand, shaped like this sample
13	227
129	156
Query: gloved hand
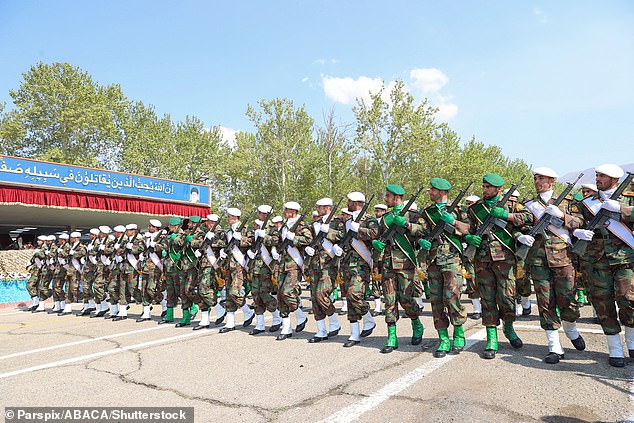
424	244
189	238
612	206
197	253
89	247
129	245
102	247
210	235
170	236
400	221
474	240
324	227
141	257
447	217
164	253
354	226
554	211
251	254
117	246
260	233
276	256
290	235
499	213
310	251
237	236
337	250
152	244
47	252
526	240
177	256
378	245
583	234
223	254
71	252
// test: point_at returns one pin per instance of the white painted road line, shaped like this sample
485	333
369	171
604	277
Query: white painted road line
354	411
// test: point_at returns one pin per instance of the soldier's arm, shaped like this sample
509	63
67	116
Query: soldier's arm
369	229
337	231
521	217
461	223
303	237
247	239
81	251
138	246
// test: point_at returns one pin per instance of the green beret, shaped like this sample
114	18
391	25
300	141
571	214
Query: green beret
174	221
493	179
395	189
578	196
440	183
195	219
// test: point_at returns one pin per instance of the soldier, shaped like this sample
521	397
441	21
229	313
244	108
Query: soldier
76	256
420	275
105	250
210	272
495	263
443	267
399	267
189	269
152	270
129	281
550	266
262	266
235	263
53	264
588	189
379	211
35	269
89	273
291	266
610	257
473	291
172	266
356	265
116	260
59	277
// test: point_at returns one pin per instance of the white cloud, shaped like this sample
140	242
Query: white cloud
324	62
305	79
347	90
228	135
542	18
428	80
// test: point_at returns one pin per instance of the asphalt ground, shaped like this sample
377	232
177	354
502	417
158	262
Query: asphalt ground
50	360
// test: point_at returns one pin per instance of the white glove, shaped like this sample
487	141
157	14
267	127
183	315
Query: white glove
163	232
290	235
47	252
119	259
89	247
337	250
129	246
210	235
152	244
275	254
583	234
260	233
251	254
553	210
237	236
354	226
71	252
526	239
324	227
197	253
223	254
117	246
310	251
611	205
102	247
141	257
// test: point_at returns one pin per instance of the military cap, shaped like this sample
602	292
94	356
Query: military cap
545	171
234	212
265	208
440	183
130	226
593	187
346	211
42	238
381	206
472	198
315	213
395	189
292	205
94	231
156	223
356	196
147	235
324	202
276	219
195	219
612	170
105	229
174	221
213	217
493	179
63	236
50	238
119	228
258	222
75	234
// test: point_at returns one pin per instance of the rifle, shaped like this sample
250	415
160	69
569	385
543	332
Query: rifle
442	226
233	241
255	249
545	221
319	237
286	243
389	234
347	238
601	219
485	228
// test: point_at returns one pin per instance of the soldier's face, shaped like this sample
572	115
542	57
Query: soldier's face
232	219
261	216
172	228
586	191
379	212
151	229
437	195
392	199
489	191
604	182
323	210
92	236
129	233
543	183
290	213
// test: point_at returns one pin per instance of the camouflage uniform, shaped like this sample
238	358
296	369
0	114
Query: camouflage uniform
90	269
173	272
262	276
189	267
59	276
35	269
76	256
152	271
45	275
208	286
104	253
129	287
114	283
236	273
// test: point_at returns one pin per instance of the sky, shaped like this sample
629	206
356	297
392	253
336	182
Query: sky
550	82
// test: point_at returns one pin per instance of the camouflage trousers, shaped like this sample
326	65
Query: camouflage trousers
174	280
189	287
355	282
375	280
31	284
398	288
612	287
522	279
445	289
44	284
288	290
129	287
583	278
150	284
114	285
89	277
322	283
59	279
207	289
555	287
102	274
72	285
261	288
235	288
497	290
473	290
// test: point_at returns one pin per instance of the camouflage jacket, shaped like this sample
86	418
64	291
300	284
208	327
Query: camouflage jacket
92	251
368	232
154	247
442	251
394	258
322	259
61	260
132	252
173	253
303	237
258	266
215	244
77	256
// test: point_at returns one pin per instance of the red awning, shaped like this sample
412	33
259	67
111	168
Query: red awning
86	201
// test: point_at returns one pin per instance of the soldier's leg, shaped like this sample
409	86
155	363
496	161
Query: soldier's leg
287	300
256	293
358	280
564	282
436	287
31	288
43	286
207	296
389	287
406	291
523	286
504	272
172	285
145	295
624	293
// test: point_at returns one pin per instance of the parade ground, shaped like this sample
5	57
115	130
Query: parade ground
49	360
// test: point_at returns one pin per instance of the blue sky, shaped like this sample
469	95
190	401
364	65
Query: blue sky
549	82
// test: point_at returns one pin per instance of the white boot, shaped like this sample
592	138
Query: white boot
62	305
355	334
570	329
300	316
115	310
220	311
248	312
146	312
277	319
35	301
231	320
344	308
614	346
286	326
629	339
68	308
553	342
368	321
123	312
57	306
377	305
526	303
333	323
259	325
419	301
204	318
164	301
91	304
321	329
477	305
40	306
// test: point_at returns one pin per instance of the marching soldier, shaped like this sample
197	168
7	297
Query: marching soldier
379	211
59	277
189	269
117	258
76	254
53	265
129	282
550	266
473	291
522	280
105	251
90	271
610	257
495	263
35	269
399	267
172	266
152	270
582	262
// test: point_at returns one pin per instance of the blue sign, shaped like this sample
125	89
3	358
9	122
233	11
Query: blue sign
34	173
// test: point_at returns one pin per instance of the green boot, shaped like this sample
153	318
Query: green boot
426	289
186	320
492	343
417	331
510	334
445	343
335	294
392	340
169	316
193	310
581	297
458	339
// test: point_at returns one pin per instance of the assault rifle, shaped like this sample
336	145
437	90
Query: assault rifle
442	226
240	228
546	220
484	230
601	219
346	242
319	237
389	233
286	243
255	249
